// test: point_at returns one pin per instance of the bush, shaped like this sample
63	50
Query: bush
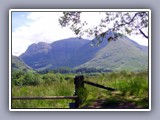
32	79
18	78
50	77
21	78
19	82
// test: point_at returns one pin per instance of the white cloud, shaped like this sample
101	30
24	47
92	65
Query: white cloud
139	39
44	27
93	18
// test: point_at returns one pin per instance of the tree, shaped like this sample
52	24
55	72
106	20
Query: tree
122	23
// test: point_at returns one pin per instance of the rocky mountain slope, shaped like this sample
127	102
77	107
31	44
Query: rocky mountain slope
120	54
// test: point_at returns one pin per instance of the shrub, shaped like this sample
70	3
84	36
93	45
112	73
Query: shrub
50	77
21	78
32	79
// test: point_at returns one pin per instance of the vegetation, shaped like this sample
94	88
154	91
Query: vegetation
75	71
19	65
132	88
135	22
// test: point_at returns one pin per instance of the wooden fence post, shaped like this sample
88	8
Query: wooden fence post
79	86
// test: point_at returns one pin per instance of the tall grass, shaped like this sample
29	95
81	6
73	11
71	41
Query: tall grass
131	87
65	88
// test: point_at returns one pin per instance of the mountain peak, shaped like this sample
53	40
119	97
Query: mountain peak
78	53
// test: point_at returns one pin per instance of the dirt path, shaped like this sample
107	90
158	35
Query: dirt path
101	104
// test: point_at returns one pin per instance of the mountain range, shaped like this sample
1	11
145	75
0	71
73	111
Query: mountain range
119	54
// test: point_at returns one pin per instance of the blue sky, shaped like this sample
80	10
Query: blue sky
19	19
34	27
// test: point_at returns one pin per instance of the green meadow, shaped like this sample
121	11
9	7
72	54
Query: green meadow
132	90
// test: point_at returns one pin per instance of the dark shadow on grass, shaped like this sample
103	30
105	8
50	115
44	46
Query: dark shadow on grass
116	103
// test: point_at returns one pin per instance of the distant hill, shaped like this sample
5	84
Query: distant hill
18	64
122	54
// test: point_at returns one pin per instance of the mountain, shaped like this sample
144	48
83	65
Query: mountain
54	55
120	54
18	64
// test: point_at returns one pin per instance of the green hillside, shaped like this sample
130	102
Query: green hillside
18	64
122	54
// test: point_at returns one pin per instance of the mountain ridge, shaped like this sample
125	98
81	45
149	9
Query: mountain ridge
117	56
120	54
56	56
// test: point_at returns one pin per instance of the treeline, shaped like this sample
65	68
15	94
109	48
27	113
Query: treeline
21	78
74	71
30	78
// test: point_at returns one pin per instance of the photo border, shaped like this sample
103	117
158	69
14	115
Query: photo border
83	10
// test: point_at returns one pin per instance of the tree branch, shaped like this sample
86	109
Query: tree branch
143	33
119	25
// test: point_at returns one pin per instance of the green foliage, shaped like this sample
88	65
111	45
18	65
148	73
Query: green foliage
124	22
56	88
74	71
132	87
19	65
18	78
82	93
25	78
49	78
32	79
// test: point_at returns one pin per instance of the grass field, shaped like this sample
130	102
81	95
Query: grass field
132	90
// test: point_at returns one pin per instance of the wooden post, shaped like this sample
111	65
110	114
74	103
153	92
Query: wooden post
79	85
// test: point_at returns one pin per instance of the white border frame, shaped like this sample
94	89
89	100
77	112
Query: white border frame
84	10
